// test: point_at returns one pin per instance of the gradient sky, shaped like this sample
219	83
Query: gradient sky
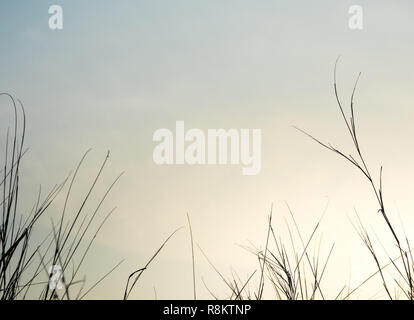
119	70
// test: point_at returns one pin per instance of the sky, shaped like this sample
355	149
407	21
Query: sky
120	70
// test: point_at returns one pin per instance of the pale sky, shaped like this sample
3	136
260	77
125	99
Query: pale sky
120	70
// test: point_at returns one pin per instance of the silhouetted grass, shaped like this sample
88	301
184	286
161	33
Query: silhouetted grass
285	266
406	270
24	264
294	274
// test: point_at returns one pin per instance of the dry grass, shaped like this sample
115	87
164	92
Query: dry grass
404	264
294	273
24	263
286	267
